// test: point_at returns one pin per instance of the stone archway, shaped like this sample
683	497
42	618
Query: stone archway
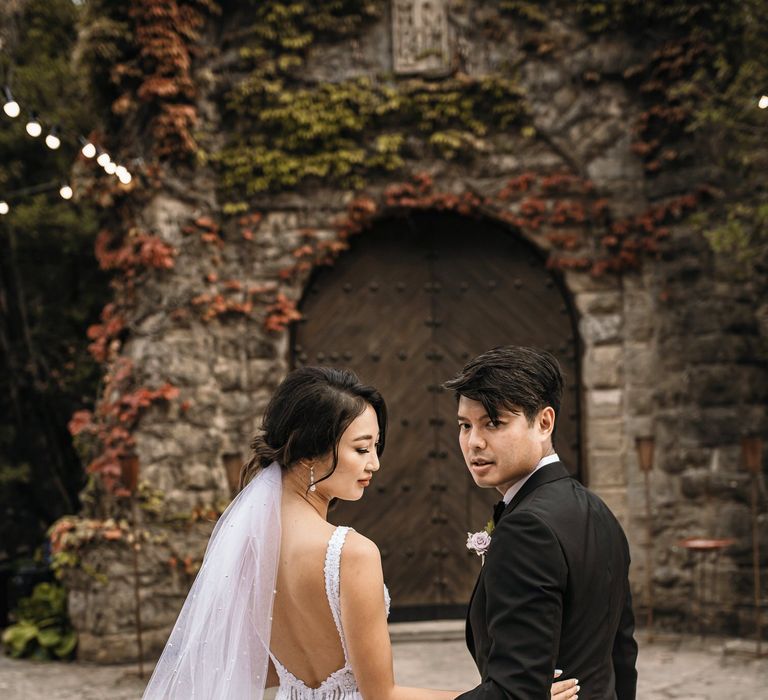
413	300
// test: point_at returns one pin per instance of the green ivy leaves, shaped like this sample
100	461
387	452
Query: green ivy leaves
43	630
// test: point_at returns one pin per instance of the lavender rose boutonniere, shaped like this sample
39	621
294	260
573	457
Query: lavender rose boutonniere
479	542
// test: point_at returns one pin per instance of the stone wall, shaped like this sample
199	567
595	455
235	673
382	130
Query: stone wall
671	349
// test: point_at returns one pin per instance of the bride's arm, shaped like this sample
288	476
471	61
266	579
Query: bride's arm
364	619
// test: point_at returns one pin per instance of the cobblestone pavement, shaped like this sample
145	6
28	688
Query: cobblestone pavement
684	668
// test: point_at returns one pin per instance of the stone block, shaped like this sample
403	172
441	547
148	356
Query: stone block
601	329
616	163
230	375
604	403
602	366
199	475
639	319
152	447
639	364
605	435
121	647
596	303
236	403
640	400
184	370
583	283
606	469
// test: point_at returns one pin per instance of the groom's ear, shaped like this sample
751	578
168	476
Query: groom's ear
546	421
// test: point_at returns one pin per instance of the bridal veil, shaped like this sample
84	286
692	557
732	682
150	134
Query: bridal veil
219	646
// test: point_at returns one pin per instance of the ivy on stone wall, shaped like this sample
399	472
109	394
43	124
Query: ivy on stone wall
344	133
139	57
704	72
285	130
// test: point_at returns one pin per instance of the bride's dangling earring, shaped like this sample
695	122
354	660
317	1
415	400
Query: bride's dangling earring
312	486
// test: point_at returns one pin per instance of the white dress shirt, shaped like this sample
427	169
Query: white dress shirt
512	490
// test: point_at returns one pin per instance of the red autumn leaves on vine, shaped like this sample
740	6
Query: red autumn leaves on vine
166	33
561	207
136	250
109	426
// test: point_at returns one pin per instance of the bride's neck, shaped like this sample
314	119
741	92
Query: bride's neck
296	489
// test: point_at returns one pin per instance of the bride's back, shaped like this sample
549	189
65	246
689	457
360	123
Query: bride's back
304	635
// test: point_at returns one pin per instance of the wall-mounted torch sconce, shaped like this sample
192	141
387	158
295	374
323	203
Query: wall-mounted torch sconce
752	456
645	446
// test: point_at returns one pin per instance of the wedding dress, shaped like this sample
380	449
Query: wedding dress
219	646
341	684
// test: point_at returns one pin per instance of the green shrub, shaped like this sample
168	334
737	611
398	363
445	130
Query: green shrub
42	629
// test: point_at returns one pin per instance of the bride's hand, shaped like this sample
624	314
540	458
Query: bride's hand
564	690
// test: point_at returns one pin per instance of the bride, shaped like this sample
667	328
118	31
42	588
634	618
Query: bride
284	597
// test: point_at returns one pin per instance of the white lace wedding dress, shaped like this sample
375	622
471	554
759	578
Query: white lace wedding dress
341	684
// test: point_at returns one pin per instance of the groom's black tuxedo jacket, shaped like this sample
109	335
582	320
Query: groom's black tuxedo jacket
553	593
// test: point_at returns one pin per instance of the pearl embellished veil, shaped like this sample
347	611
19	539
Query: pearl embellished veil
219	647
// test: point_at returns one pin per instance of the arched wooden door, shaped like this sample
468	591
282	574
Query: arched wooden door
405	308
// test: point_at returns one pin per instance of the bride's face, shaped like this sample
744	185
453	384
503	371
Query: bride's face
358	460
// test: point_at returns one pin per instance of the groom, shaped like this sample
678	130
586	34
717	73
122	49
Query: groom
553	591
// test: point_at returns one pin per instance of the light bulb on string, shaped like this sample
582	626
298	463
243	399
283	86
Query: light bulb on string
110	168
33	126
88	149
11	107
763	102
103	158
4	208
66	192
52	140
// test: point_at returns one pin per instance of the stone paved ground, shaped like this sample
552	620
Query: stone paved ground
675	668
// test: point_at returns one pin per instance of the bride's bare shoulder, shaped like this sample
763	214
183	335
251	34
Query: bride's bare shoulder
360	556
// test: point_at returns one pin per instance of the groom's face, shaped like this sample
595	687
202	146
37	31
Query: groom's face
499	454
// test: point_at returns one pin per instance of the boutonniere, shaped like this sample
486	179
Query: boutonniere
479	542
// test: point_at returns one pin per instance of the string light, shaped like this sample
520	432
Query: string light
88	149
33	126
763	102
123	175
52	140
11	107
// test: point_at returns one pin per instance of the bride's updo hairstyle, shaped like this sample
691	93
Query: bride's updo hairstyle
308	414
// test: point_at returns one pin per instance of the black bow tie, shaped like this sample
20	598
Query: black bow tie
498	509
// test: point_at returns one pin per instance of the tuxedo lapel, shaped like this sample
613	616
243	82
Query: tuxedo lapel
468	627
547	473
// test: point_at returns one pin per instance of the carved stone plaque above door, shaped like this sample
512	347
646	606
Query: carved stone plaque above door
420	37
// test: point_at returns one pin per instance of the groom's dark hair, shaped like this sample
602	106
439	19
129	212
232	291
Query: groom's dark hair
511	376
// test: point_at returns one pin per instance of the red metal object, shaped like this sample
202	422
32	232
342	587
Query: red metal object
752	452
645	446
752	456
705	544
703	549
233	464
129	471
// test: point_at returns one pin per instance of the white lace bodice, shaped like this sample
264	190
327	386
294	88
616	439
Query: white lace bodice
341	684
